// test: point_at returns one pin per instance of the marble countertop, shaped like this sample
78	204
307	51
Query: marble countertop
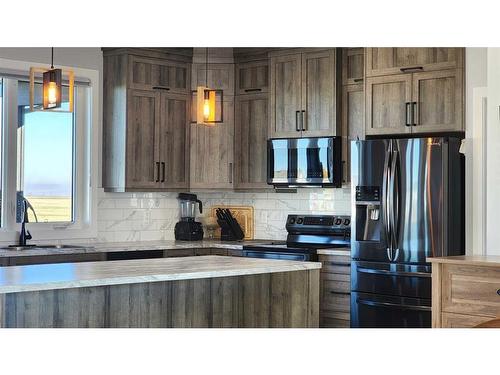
131	246
471	260
89	274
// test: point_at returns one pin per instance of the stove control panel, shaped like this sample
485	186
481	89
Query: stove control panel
304	222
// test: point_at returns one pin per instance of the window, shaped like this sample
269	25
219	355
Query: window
49	159
45	160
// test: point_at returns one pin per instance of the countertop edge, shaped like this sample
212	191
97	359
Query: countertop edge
472	260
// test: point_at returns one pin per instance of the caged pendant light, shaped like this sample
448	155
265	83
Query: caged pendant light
209	102
52	87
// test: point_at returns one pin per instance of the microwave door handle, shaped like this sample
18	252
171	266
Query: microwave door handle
386	202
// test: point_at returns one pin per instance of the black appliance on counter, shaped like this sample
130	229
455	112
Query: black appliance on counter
407	205
302	162
187	229
306	235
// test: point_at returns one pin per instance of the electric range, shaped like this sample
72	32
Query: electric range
306	235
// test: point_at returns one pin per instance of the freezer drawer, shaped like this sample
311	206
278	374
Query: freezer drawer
379	311
391	279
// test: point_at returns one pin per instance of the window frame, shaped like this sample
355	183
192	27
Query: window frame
87	127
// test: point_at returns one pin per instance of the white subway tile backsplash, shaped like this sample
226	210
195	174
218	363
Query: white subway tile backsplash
152	216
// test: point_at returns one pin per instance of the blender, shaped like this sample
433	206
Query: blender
187	229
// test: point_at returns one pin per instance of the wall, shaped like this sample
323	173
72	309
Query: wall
152	216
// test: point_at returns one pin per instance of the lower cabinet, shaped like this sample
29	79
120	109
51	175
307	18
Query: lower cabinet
335	290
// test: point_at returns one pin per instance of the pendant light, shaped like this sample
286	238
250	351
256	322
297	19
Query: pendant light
209	102
52	87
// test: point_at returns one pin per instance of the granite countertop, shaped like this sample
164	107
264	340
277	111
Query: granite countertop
470	260
89	274
131	246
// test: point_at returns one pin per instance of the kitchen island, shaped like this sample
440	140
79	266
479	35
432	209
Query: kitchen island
201	291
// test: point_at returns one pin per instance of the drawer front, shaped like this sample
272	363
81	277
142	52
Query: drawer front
333	323
333	301
471	290
450	320
336	286
340	264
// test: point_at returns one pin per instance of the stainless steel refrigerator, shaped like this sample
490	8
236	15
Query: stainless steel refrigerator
407	205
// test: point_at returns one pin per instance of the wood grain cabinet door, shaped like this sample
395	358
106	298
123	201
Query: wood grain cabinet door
252	77
211	152
250	141
174	138
285	98
395	60
353	67
438	98
151	74
353	102
143	127
319	83
387	103
219	76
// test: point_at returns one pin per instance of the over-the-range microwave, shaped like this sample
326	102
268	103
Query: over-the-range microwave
304	162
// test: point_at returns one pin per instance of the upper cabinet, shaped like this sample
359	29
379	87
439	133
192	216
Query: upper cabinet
252	77
414	90
303	94
384	61
219	76
353	68
146	104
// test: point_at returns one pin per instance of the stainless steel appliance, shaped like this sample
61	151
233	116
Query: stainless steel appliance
187	229
302	162
407	205
306	234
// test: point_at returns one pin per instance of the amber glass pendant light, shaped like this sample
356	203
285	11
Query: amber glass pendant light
208	102
52	87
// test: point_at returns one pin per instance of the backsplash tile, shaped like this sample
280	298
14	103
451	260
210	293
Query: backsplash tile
152	216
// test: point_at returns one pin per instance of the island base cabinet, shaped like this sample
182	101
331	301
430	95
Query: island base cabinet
284	299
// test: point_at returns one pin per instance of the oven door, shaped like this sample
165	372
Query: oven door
381	311
304	161
277	255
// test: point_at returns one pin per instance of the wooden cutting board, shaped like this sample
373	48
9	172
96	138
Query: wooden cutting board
244	215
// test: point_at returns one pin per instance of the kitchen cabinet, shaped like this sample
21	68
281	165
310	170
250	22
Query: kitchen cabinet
353	99
396	60
211	147
250	141
252	77
303	94
422	102
465	291
219	76
149	74
353	68
146	107
335	289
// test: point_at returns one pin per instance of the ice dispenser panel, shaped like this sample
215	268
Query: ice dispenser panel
368	214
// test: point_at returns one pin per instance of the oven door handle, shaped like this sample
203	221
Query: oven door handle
394	305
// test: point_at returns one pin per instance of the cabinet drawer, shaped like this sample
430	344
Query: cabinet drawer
333	301
471	290
336	263
334	323
450	320
336	286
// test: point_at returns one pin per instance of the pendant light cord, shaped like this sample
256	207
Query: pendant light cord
52	58
206	67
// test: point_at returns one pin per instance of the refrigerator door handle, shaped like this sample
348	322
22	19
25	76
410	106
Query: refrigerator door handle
395	201
386	200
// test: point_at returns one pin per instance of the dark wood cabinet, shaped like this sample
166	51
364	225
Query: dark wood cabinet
250	141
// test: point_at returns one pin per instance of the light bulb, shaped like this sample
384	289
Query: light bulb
206	109
52	94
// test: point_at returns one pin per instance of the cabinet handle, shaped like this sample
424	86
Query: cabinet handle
303	123
253	90
297	121
230	173
498	292
358	79
408	113
161	88
414	113
162	171
157	172
412	69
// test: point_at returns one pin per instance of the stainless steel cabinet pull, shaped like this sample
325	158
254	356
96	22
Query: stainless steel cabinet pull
297	121
414	113
162	171
303	124
408	113
230	173
412	69
157	172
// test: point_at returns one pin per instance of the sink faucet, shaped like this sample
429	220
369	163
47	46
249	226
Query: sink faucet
25	234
